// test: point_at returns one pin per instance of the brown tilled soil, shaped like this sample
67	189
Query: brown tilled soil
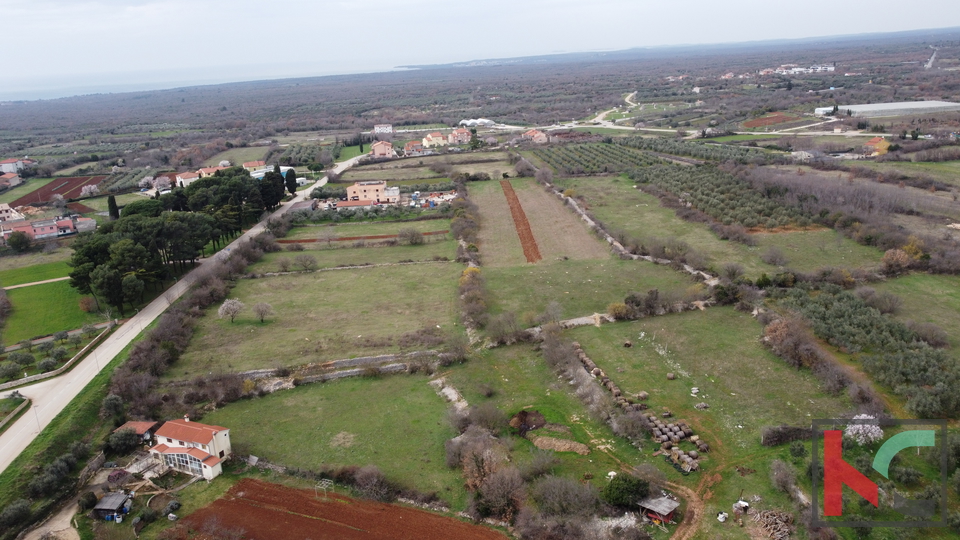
265	510
770	120
530	249
68	187
560	233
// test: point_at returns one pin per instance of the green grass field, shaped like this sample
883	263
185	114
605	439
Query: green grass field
39	272
348	152
322	316
929	299
734	138
422	175
746	387
581	287
100	203
945	171
345	255
28	186
39	310
615	202
365	228
397	423
33	258
237	156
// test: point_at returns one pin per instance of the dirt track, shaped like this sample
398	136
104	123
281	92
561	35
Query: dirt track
266	510
530	249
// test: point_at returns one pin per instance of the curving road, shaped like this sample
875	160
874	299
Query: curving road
51	396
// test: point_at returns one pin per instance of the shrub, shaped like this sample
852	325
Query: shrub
373	484
556	496
502	493
283	264
488	416
15	513
618	310
410	236
504	328
542	462
625	490
123	442
798	450
774	255
932	334
783	476
307	262
21	358
294	247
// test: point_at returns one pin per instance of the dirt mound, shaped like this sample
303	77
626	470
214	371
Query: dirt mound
264	510
559	445
526	421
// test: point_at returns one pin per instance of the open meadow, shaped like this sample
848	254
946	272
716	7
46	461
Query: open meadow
928	299
622	208
323	316
23	189
40	310
339	254
237	156
364	228
37	272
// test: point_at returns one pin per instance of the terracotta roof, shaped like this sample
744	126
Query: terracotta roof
8	176
211	170
383	143
875	140
207	458
11	160
188	175
254	164
138	427
348	204
435	134
183	430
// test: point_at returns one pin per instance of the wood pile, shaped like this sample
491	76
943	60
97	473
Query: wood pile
776	524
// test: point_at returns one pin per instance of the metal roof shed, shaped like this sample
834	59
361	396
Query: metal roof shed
111	504
661	508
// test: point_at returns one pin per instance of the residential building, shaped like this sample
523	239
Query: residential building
187	178
413	148
459	136
65	227
374	191
254	165
86	224
209	171
145	430
9	214
44	229
10	179
192	447
382	129
12	165
876	146
382	149
434	139
536	136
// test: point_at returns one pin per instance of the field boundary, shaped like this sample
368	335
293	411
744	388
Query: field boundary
529	244
355	238
14	414
65	367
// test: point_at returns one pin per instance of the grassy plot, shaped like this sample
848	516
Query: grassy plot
745	386
517	378
27	187
237	156
422	175
396	423
344	254
348	152
580	287
928	299
323	316
39	272
615	202
100	203
33	258
375	228
945	171
39	310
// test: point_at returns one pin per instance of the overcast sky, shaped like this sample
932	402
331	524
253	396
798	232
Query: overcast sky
56	48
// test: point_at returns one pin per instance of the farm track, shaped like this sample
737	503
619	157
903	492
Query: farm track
530	249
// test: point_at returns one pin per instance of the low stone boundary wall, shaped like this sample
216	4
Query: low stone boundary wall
61	369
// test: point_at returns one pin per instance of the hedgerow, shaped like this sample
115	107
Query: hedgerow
713	152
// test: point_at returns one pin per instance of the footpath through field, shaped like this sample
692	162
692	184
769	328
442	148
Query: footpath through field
36	283
51	396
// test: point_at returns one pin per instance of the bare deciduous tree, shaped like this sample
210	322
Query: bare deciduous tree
307	262
262	310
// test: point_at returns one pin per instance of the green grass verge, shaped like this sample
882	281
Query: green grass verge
928	299
330	257
29	186
30	274
946	171
734	138
100	203
32	258
322	316
348	152
44	309
7	406
621	207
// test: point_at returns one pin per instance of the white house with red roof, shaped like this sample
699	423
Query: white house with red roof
254	165
209	171
536	136
11	165
192	447
187	178
10	180
382	149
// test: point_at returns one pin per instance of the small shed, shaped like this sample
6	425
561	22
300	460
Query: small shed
661	509
144	429
111	505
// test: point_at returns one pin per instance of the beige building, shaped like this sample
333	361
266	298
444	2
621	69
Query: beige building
375	191
434	139
382	149
459	136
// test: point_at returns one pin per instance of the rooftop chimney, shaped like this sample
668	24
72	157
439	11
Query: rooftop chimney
186	418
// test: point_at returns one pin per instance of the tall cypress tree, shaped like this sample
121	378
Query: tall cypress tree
112	207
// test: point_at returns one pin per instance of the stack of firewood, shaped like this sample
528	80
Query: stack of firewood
775	523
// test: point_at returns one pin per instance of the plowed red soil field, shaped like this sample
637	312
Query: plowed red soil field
269	511
770	120
69	188
530	249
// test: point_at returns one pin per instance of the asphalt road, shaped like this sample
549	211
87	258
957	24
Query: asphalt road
51	396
